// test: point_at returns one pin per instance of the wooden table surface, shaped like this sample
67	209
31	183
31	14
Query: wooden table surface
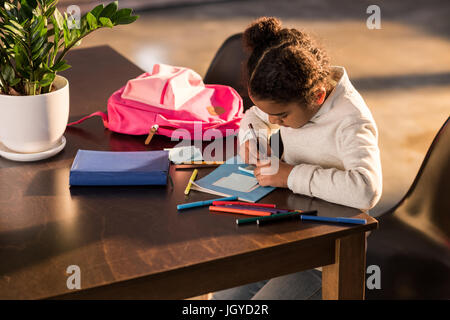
131	242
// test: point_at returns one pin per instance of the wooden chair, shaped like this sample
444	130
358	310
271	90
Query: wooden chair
412	243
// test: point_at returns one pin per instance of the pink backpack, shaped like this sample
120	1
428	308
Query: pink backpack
172	98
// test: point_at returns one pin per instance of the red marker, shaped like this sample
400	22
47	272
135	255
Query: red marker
262	205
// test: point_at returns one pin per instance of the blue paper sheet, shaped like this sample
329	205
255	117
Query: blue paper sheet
207	184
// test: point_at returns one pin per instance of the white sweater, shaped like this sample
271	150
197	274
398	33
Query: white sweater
335	154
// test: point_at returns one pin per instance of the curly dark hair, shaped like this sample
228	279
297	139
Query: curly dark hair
284	64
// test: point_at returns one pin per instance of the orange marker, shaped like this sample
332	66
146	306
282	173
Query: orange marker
240	211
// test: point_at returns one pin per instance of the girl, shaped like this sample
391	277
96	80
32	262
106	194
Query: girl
328	133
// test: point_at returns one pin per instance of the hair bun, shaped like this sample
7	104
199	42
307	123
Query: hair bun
262	33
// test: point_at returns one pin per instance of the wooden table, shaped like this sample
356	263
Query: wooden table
130	242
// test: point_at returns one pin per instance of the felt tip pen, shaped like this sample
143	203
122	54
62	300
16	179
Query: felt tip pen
203	203
259	147
334	219
250	212
278	216
247	204
271	210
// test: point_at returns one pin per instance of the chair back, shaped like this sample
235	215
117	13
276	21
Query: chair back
411	246
228	67
426	205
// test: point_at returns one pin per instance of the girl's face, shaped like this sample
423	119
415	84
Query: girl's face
291	115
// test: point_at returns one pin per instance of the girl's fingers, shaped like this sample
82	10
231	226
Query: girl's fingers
250	154
262	180
260	165
268	167
263	163
257	172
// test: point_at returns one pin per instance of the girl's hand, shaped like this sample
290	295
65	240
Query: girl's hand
269	173
248	153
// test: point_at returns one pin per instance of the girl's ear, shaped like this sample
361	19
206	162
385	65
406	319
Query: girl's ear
320	95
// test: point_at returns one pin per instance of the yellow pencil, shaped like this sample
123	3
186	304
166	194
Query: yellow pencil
188	188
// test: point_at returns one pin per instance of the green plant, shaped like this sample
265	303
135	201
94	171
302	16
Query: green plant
35	37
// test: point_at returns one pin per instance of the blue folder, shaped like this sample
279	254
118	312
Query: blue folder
110	168
230	166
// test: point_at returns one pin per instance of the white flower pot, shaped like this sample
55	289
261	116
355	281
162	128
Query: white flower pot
31	124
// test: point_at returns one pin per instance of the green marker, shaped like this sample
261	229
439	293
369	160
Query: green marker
293	215
272	217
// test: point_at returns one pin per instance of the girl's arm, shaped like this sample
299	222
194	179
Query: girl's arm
359	185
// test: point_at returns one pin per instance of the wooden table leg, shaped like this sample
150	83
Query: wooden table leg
345	279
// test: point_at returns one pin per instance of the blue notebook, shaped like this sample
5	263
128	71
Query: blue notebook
227	180
111	168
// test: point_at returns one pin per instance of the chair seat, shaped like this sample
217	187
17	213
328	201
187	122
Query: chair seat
412	265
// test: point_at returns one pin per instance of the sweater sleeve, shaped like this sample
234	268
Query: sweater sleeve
259	120
359	185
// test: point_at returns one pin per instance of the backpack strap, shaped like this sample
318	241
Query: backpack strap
98	113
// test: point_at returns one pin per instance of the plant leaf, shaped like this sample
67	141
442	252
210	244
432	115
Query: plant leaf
59	18
31	3
9	6
17	25
109	10
55	37
14	82
37	46
50	12
8	73
126	12
26	11
47	79
61	66
67	34
43	52
97	10
126	20
106	22
13	31
92	20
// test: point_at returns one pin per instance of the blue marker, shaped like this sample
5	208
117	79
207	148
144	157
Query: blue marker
203	203
333	219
